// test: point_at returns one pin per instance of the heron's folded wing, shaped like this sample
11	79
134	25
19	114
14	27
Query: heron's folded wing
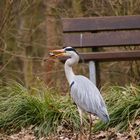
86	95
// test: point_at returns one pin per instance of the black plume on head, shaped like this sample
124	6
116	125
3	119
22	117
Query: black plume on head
70	49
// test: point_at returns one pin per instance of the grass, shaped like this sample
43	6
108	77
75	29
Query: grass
46	111
124	108
40	107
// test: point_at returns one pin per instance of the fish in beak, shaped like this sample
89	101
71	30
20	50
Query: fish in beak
57	53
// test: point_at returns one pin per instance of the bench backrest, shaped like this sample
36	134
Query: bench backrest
97	32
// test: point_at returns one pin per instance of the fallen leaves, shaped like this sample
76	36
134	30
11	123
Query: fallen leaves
64	134
24	134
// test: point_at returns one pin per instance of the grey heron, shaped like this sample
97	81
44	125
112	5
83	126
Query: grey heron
83	92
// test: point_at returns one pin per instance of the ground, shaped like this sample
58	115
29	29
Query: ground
28	134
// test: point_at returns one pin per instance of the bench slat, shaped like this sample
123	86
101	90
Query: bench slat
102	39
109	56
100	23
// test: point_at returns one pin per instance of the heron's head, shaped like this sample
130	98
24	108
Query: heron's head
67	51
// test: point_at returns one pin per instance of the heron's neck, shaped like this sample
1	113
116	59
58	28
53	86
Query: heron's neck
68	69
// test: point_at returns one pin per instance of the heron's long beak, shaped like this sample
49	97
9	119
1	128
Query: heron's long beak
57	53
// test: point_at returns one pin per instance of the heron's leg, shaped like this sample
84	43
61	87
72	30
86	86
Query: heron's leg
81	122
90	129
80	114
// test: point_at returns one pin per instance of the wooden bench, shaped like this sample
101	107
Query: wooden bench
99	32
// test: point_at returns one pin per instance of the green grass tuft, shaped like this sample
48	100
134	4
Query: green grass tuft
40	107
47	111
124	107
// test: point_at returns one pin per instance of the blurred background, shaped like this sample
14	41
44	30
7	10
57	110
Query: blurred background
30	28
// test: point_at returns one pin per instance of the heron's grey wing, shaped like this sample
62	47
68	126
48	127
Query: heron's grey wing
86	95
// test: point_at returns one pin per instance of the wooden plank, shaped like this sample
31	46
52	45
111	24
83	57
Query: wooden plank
100	23
108	56
102	39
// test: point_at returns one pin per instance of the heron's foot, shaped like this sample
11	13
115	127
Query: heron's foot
89	137
82	136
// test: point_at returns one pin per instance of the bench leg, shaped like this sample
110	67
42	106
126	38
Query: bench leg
94	73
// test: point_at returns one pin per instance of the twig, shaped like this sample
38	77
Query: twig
19	55
132	133
6	64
